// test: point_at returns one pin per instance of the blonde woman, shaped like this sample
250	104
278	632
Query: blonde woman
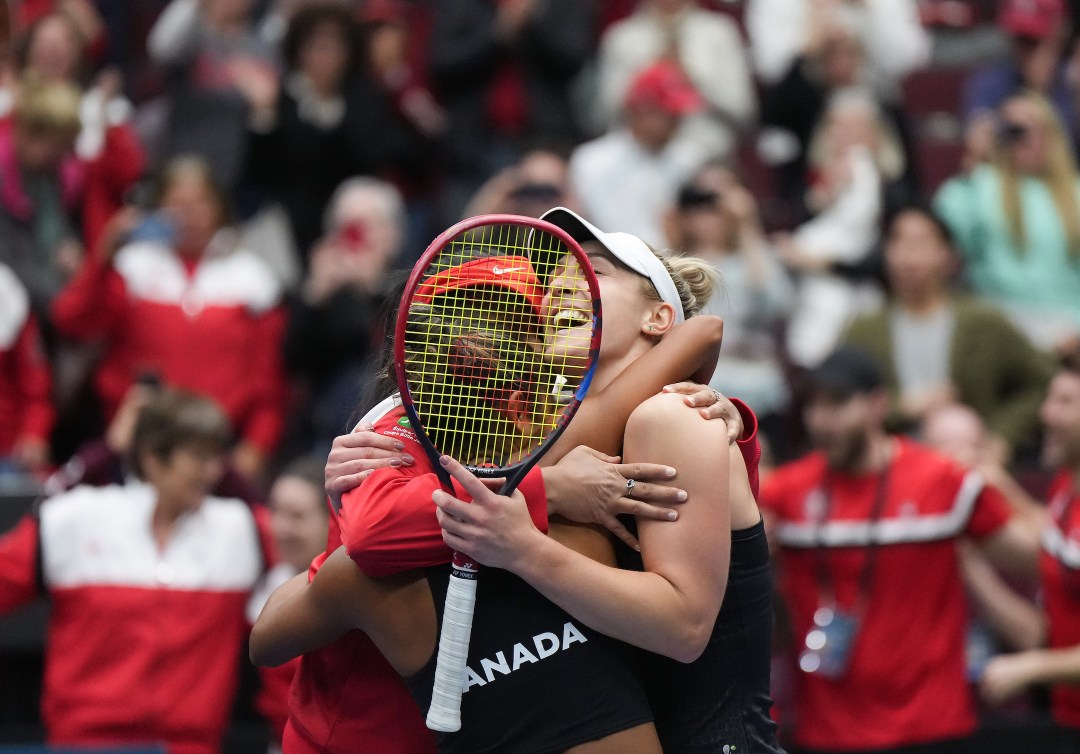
1017	222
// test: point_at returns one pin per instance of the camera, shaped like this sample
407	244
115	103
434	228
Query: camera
693	197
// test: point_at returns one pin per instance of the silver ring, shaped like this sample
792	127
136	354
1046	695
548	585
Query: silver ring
630	487
716	394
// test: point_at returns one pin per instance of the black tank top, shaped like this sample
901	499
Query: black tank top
720	702
538	679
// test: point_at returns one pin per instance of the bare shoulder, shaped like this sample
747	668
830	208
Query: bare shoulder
666	415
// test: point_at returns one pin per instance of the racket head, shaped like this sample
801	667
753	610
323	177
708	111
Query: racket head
496	341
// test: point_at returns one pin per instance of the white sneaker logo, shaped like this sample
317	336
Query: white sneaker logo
497	270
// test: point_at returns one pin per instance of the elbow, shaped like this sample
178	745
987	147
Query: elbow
261	650
693	640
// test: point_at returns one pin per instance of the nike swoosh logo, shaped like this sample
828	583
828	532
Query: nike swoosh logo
495	269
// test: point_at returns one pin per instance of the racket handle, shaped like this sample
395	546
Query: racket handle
445	712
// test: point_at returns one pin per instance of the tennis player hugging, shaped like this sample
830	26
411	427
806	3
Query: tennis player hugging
579	643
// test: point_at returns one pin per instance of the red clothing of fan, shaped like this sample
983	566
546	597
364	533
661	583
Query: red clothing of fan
26	409
905	682
215	329
1059	564
143	644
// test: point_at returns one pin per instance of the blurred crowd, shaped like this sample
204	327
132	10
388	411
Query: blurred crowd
220	196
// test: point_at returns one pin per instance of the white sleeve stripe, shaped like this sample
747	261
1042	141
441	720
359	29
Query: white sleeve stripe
891	531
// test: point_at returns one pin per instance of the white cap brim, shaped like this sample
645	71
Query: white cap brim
628	249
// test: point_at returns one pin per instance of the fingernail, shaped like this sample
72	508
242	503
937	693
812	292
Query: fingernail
669	471
666	388
637	547
399	446
444	460
681	496
672	515
395	461
408	459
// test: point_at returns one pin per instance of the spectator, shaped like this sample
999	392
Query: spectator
209	49
1057	664
298	524
704	44
148	583
935	347
106	460
181	299
41	189
107	146
537	182
716	219
502	69
857	523
1037	31
795	106
629	177
1002	619
327	122
1017	223
783	32
336	324
26	410
833	253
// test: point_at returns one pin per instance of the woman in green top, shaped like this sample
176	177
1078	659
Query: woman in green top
1017	222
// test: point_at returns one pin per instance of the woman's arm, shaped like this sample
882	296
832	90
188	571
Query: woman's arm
671	607
687	350
397	613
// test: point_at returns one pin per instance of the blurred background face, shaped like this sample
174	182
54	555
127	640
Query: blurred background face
41	151
55	50
324	56
1060	415
849	125
542	183
297	520
705	220
1024	136
193	207
840	427
387	46
228	11
185	477
841	59
958	432
917	259
651	126
361	225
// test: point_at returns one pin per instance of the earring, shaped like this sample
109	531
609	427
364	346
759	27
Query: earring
651	328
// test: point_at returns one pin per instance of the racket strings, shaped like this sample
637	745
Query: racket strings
498	343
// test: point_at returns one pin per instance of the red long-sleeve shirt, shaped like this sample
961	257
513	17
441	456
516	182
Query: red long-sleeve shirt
26	409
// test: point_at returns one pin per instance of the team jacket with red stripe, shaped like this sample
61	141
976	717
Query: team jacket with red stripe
25	382
143	645
215	329
1059	564
905	682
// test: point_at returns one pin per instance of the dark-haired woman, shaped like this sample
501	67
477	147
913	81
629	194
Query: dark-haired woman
324	123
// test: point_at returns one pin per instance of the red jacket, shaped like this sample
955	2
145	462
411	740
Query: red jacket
215	329
26	410
143	644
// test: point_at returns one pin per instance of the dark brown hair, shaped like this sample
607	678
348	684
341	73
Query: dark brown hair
174	419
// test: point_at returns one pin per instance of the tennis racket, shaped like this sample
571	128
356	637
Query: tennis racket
496	341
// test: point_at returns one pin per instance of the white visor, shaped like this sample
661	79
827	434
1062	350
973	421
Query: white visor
628	249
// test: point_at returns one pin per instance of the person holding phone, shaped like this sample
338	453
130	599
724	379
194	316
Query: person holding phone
1016	221
176	293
